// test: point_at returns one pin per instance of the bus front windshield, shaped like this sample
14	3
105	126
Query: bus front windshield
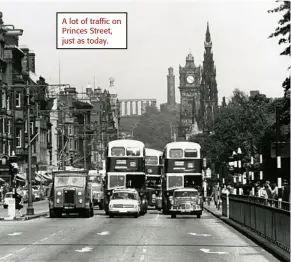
75	181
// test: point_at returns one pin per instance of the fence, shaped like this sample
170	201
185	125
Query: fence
268	218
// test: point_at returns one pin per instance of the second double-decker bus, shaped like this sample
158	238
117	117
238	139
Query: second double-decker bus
153	166
125	168
182	169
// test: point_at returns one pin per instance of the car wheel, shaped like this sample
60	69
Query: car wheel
173	215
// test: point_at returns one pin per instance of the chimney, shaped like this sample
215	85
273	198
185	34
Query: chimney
31	62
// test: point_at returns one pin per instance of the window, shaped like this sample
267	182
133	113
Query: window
3	126
4	148
176	153
18	138
25	126
8	126
8	103
71	144
70	130
151	160
76	145
133	151
9	147
191	153
17	99
31	128
117	151
3	99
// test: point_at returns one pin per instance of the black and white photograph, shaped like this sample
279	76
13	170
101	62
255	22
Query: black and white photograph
145	131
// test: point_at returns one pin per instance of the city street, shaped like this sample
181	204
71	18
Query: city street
39	207
153	237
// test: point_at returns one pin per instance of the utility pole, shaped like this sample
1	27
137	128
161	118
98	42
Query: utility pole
84	142
63	139
30	209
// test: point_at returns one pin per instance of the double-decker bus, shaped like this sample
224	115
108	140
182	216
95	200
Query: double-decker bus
182	169
125	168
153	166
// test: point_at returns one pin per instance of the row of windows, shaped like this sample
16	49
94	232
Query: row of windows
6	100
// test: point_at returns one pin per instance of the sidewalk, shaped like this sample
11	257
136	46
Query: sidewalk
40	210
261	241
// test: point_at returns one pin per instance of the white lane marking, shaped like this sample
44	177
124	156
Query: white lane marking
53	234
35	243
157	216
142	258
15	234
104	233
9	255
199	235
85	249
44	239
21	249
144	250
207	251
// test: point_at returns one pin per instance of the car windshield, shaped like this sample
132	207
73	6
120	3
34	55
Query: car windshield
62	181
124	195
186	194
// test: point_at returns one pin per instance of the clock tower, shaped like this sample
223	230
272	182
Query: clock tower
190	79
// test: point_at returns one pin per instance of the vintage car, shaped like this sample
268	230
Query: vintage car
124	202
186	201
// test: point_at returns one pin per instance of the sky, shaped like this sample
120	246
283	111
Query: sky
160	35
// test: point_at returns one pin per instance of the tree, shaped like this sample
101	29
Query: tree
283	32
154	128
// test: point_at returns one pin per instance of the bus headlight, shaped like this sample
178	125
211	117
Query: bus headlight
79	193
190	165
59	193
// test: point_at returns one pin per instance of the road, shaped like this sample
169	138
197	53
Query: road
39	207
153	237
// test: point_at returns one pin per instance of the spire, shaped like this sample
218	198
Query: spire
208	38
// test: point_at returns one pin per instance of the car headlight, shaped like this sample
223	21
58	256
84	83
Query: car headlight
79	193
59	193
58	200
110	206
80	201
135	206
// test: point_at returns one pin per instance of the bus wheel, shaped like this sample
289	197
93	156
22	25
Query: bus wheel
173	215
52	213
198	216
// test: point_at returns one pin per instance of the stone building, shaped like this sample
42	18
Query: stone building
198	92
74	130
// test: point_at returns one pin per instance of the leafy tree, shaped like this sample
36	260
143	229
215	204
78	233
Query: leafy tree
154	128
283	32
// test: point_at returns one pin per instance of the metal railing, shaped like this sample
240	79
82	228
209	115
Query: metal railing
267	217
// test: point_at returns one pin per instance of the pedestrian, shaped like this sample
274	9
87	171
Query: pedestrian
216	193
18	205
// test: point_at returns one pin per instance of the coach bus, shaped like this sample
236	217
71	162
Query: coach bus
153	165
125	168
182	169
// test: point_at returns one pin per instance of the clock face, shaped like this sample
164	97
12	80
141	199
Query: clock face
190	79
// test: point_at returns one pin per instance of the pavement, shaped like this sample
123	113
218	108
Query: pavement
40	209
152	237
280	253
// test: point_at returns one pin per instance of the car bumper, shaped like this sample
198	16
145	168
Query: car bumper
123	211
193	211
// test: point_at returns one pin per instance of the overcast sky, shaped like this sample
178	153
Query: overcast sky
160	35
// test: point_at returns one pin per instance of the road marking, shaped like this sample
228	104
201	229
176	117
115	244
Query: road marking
15	234
53	234
199	235
85	249
142	258
104	233
208	252
157	217
9	255
21	249
35	243
44	239
144	250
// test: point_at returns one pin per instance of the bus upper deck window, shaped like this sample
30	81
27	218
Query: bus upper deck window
117	151
176	153
191	153
132	151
